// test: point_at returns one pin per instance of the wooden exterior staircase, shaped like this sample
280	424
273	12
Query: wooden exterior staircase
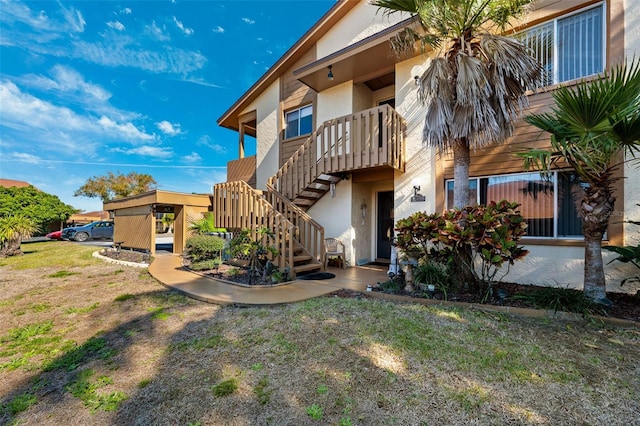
368	139
364	140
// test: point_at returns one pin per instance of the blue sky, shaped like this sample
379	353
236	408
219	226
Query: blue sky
89	87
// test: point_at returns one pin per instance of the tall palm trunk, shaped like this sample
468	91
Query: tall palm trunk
461	160
463	265
597	206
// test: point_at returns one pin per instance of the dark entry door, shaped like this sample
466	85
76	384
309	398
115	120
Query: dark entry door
385	224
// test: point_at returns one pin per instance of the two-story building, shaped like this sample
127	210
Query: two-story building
339	153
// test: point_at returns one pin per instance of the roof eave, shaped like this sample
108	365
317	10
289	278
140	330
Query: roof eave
324	24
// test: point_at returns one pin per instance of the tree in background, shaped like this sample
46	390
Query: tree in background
474	87
112	186
167	221
40	208
591	125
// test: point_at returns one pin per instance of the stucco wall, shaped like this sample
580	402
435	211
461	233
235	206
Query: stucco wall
334	214
363	228
362	97
335	102
266	107
363	21
420	160
631	171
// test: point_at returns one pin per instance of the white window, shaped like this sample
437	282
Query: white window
299	122
548	206
569	47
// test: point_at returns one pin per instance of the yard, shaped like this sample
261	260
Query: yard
86	342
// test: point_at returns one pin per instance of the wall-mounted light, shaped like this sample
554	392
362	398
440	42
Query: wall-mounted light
363	211
416	72
416	194
330	75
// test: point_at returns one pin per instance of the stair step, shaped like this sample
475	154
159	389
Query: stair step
306	268
301	258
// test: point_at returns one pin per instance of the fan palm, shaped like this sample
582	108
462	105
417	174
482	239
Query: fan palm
475	86
590	126
14	229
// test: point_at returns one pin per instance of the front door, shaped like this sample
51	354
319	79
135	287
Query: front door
385	224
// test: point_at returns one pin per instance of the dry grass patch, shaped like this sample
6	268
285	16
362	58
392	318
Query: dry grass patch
109	345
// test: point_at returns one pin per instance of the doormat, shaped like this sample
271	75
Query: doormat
317	276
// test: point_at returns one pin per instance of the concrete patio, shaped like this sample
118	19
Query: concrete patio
168	269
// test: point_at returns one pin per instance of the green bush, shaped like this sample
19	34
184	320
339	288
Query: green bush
206	265
204	247
559	299
430	272
490	234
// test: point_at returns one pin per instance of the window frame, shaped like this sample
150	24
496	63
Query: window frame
286	121
554	237
555	53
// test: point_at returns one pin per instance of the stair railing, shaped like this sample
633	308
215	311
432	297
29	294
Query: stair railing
237	205
310	234
369	138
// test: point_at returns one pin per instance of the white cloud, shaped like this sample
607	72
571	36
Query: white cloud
116	25
56	37
127	130
146	151
168	128
218	29
248	21
194	157
169	59
157	33
207	142
126	11
71	20
22	157
67	80
181	27
44	126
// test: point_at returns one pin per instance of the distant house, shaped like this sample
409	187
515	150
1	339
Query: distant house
8	183
339	153
87	217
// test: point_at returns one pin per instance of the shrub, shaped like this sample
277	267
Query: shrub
431	272
256	250
206	265
559	299
204	247
490	233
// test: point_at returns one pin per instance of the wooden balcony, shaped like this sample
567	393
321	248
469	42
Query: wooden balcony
368	139
243	169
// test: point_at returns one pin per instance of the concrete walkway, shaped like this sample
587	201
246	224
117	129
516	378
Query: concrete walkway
168	269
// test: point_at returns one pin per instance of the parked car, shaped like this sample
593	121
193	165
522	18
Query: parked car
55	235
91	231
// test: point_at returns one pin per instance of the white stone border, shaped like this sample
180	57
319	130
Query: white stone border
97	255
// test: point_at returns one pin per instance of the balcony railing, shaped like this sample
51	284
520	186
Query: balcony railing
366	139
242	169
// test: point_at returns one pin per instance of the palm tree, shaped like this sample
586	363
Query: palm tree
14	229
590	126
475	86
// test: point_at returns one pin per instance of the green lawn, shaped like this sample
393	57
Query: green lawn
86	342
